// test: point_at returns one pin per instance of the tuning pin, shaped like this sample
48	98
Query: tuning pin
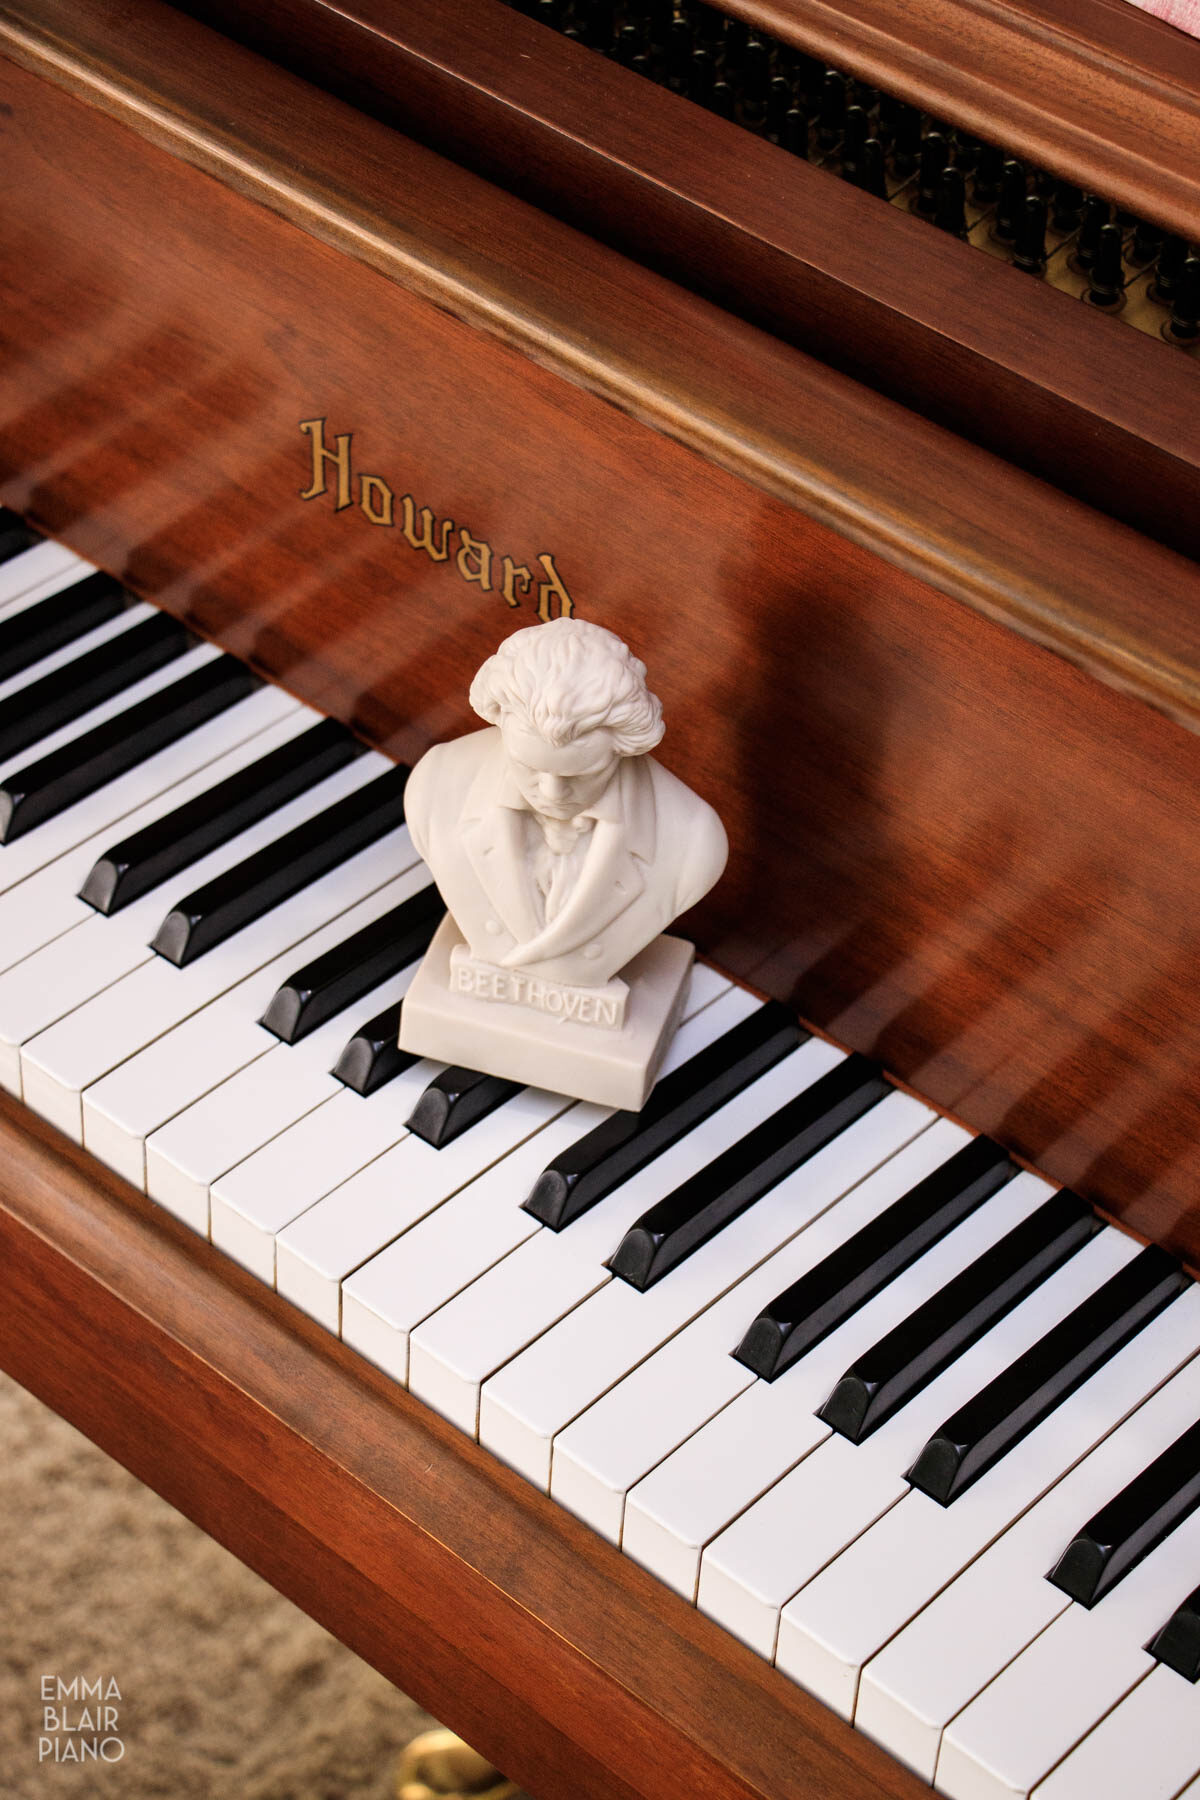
779	104
1029	246
1096	214
1066	207
831	113
709	24
660	17
1042	182
736	38
795	132
989	171
596	21
701	75
754	66
630	45
966	151
906	139
1183	327
856	130
679	54
1106	276
950	212
872	176
809	76
722	100
1168	269
1145	244
864	95
935	154
1011	204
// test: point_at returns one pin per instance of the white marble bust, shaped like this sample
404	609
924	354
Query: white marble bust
560	846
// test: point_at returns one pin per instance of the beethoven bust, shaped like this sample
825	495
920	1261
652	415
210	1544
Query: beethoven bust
560	846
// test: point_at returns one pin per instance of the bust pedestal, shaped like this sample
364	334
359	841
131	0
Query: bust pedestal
603	1044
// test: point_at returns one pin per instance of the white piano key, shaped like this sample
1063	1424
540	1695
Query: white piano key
630	1430
938	1663
581	1358
37	573
254	1202
318	1250
840	1620
540	1282
1147	1746
46	903
66	653
749	1446
170	1075
92	821
108	1025
386	1299
1042	1705
752	1569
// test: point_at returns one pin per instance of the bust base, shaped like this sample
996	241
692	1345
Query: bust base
519	1043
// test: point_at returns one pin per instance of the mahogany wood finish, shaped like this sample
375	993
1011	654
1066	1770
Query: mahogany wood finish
951	848
571	1668
1104	412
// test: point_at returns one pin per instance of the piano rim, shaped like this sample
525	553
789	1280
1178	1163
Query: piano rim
1004	543
557	1657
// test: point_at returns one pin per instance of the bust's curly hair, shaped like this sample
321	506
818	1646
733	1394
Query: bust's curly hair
567	678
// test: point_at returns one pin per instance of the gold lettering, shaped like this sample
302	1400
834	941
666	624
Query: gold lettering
425	542
340	458
375	497
514	572
548	589
480	568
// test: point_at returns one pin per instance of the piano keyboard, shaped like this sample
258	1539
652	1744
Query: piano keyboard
911	1425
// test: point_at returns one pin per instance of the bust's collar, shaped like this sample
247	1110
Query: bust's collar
627	801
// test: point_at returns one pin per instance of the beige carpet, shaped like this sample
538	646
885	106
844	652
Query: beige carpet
227	1692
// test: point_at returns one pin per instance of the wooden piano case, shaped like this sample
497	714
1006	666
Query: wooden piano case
354	412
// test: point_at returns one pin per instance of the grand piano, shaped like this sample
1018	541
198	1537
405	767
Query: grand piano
350	337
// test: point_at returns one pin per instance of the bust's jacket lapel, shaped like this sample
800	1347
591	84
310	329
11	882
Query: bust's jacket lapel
493	839
611	878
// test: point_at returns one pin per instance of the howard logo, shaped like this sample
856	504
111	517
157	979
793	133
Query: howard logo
472	558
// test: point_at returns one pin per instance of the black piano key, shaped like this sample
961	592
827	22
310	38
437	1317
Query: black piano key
45	706
454	1100
15	535
42	790
372	1056
273	874
681	1101
908	1358
702	1206
173	843
1177	1643
1133	1523
1008	1408
352	968
49	624
849	1276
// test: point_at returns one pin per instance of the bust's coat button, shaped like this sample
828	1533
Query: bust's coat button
492	927
592	951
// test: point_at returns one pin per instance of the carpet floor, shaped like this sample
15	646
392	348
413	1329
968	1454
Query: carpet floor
226	1691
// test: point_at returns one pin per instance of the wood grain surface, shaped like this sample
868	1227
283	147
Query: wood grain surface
1104	412
952	848
576	1672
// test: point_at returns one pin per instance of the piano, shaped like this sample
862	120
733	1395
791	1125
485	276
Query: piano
336	343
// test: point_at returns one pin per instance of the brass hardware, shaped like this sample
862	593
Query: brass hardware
439	1766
